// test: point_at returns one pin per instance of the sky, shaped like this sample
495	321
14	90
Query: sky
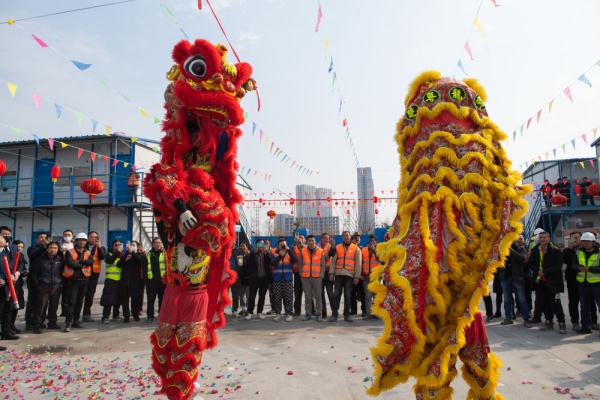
529	52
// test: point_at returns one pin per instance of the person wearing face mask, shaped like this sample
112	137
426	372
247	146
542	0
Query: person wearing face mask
77	271
66	244
134	267
156	272
46	280
114	293
98	253
9	251
257	272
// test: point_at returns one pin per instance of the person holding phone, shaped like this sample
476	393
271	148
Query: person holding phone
114	293
283	280
135	272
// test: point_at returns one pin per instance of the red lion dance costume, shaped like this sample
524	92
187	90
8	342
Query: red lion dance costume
194	197
459	211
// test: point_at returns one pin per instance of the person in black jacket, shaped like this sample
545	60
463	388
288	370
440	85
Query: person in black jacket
33	252
98	253
156	271
7	306
512	277
45	279
77	270
546	261
257	275
135	272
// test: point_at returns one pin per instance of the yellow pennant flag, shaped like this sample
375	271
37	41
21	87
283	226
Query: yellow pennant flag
125	164
477	24
133	139
63	145
143	112
108	129
550	105
12	88
582	165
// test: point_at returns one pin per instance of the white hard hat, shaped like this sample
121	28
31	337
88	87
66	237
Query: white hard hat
588	236
538	231
81	236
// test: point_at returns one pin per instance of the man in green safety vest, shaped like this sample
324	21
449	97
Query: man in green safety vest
156	271
587	265
113	294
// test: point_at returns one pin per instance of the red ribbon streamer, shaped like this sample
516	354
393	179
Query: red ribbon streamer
226	38
9	281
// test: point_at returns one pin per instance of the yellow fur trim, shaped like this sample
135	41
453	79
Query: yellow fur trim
423	78
484	206
476	86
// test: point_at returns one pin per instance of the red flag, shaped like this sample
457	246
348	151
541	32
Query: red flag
93	156
79	153
345	122
115	162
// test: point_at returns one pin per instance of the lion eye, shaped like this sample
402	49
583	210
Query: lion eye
195	66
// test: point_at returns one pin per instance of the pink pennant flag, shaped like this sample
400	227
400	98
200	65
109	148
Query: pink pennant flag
529	122
584	138
539	114
79	153
37	100
567	92
495	3
93	156
319	16
134	167
39	41
468	49
115	162
592	162
105	158
51	144
260	136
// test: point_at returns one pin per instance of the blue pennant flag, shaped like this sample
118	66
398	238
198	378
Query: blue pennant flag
253	128
58	109
94	125
585	80
330	65
460	65
80	65
184	34
514	135
36	138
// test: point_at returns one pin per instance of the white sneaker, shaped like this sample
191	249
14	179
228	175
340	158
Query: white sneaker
248	317
261	316
277	316
289	318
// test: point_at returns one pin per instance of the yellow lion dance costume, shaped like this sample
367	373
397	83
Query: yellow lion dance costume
459	210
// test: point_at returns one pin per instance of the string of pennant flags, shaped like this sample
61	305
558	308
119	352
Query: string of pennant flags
279	153
84	66
335	86
467	44
567	93
171	15
587	137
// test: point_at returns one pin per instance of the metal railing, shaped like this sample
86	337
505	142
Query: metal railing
243	221
533	214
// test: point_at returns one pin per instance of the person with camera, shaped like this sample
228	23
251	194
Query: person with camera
114	294
134	265
283	280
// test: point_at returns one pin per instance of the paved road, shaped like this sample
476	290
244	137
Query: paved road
278	360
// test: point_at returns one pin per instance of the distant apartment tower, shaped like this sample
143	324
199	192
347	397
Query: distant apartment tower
313	211
365	193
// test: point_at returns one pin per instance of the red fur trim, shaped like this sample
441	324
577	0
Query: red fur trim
244	73
193	98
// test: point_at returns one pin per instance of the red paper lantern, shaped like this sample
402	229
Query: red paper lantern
92	187
559	200
375	199
594	190
376	211
318	213
55	173
2	167
292	201
271	214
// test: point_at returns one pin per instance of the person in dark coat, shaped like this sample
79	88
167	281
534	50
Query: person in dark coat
7	306
115	292
585	197
45	279
546	191
156	271
19	284
546	261
512	277
239	291
33	252
134	267
257	274
564	188
98	253
77	271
